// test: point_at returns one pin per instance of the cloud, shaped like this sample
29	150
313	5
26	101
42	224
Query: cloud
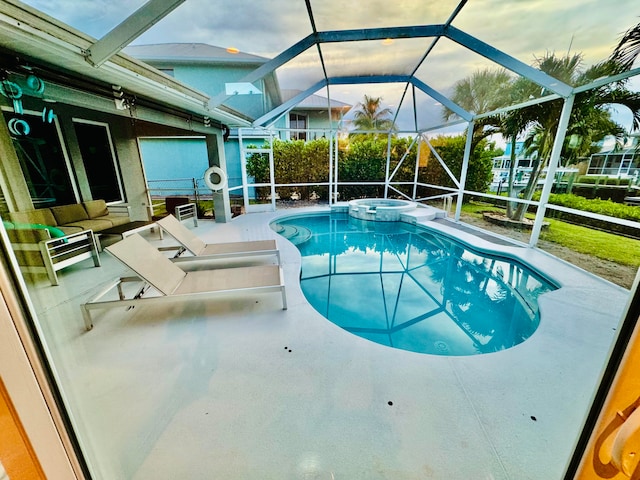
95	17
523	29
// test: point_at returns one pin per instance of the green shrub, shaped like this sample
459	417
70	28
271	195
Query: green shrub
601	180
596	205
365	160
451	150
616	181
590	180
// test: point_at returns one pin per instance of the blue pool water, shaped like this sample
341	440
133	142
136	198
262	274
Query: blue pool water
412	288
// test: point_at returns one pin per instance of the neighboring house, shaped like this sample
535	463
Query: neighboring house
218	73
616	163
215	71
307	120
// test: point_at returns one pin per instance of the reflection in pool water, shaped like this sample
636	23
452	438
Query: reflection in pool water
412	288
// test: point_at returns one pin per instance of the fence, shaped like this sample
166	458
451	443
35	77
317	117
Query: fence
193	188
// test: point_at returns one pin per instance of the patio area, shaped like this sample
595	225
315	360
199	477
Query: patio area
238	388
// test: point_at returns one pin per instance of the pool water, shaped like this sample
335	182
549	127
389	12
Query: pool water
412	288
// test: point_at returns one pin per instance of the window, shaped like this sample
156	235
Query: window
98	157
298	126
43	160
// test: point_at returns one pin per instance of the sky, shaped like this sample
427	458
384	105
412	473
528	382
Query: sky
524	29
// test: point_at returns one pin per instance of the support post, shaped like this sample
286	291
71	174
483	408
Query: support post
215	153
388	167
551	170
417	169
463	171
331	166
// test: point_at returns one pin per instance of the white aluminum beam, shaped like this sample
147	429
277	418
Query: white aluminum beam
454	107
508	62
135	25
463	172
357	80
558	141
289	104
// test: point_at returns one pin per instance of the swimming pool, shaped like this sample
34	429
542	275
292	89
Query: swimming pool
408	287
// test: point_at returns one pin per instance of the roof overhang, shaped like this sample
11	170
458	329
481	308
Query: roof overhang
50	44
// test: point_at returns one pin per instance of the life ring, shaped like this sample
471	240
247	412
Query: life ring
35	84
10	90
19	127
215	178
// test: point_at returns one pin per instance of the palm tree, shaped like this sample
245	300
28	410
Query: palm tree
484	91
370	116
590	118
628	49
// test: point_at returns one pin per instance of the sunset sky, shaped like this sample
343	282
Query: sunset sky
524	29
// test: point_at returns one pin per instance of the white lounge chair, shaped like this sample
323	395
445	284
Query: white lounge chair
194	245
173	284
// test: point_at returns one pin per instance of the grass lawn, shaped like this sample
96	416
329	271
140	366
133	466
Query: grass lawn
607	246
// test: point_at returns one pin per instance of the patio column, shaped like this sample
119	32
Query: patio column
387	168
417	167
215	153
558	141
463	171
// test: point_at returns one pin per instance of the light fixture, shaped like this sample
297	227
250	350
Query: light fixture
233	50
387	41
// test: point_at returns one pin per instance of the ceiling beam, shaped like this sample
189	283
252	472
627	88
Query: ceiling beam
359	35
288	105
359	80
131	28
421	31
454	107
508	62
270	66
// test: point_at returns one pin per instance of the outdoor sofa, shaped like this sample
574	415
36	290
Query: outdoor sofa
46	240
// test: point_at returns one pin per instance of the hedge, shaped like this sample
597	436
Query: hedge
602	207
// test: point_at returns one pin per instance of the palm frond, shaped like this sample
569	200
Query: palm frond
628	48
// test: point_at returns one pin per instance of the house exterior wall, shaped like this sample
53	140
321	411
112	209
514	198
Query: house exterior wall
173	157
212	78
159	155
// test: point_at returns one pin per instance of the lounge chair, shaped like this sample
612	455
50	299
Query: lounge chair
194	245
156	271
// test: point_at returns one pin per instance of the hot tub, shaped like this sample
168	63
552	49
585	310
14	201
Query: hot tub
380	209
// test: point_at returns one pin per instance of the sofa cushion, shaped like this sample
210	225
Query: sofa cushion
69	213
116	219
95	224
96	208
42	216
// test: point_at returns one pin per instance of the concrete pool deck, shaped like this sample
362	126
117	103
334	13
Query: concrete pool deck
240	389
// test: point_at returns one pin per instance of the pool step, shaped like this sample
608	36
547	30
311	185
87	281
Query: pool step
420	215
295	234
